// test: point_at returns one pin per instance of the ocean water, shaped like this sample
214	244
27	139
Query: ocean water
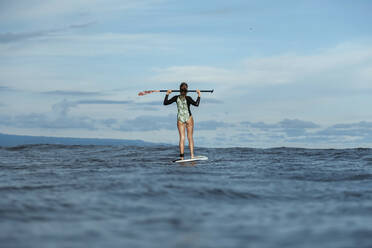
128	196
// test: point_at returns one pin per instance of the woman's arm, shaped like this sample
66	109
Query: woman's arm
172	100
191	101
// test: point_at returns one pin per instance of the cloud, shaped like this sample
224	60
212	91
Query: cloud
361	129
306	133
212	101
13	37
110	122
222	11
42	9
36	120
150	103
104	102
284	124
146	106
89	45
296	124
149	123
62	108
169	122
60	118
193	73
291	127
21	36
361	124
259	125
282	133
6	89
71	93
343	64
212	125
81	25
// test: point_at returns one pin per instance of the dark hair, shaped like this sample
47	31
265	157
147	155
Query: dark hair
183	84
183	91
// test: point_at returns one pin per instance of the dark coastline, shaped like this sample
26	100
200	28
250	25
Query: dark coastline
8	140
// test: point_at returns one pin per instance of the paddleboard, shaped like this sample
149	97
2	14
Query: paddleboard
196	158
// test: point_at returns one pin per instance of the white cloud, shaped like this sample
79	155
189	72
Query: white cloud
340	63
38	9
193	73
62	43
212	133
10	37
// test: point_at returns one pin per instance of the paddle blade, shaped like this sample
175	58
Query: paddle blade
142	93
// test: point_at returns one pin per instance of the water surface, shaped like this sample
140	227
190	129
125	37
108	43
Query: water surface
129	196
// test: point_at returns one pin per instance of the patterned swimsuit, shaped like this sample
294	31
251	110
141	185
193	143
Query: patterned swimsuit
183	105
183	112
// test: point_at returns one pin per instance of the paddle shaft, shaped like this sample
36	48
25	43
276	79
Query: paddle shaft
142	93
210	91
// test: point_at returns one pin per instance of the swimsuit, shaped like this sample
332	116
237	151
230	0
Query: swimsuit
183	105
183	113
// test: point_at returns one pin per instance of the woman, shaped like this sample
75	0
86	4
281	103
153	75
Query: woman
184	117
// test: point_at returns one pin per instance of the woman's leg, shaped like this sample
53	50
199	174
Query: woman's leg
181	130
190	131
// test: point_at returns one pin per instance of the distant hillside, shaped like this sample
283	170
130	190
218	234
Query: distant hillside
15	140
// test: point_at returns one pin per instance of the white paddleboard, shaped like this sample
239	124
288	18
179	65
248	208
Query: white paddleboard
196	158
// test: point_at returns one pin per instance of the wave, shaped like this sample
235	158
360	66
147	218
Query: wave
167	147
26	187
333	178
43	147
225	193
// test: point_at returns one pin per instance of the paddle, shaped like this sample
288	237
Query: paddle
142	93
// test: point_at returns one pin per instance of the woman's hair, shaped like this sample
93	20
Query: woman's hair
183	91
183	84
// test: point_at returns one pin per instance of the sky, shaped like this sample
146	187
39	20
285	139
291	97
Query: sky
285	73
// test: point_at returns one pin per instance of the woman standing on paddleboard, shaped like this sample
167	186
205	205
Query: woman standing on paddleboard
184	117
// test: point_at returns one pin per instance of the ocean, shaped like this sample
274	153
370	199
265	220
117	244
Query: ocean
133	196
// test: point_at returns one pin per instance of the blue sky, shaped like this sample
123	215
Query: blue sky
285	73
